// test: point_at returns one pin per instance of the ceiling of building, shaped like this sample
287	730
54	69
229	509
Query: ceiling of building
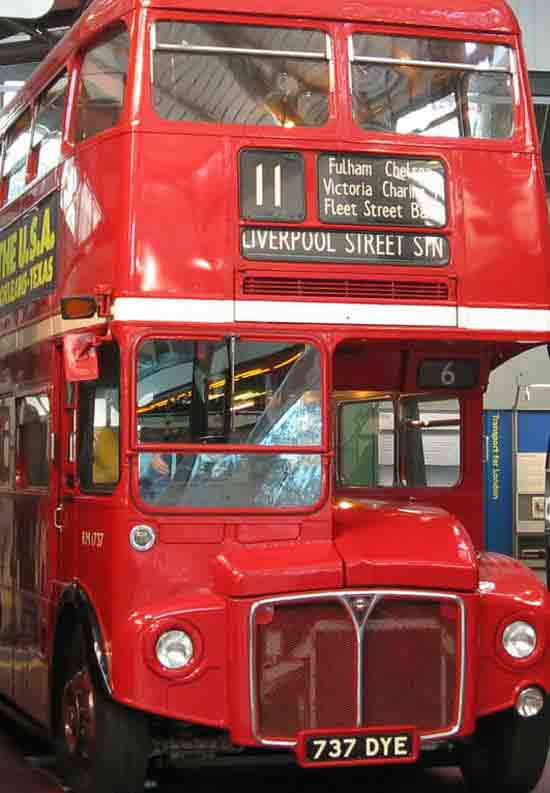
25	42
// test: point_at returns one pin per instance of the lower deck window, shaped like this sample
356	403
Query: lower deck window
32	444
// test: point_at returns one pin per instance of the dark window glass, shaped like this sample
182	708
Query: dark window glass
49	125
6	444
99	424
542	112
404	85
102	82
237	74
33	413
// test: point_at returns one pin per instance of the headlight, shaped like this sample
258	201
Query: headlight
530	702
519	639
174	649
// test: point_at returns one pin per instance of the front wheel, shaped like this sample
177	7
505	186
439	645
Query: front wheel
507	754
101	746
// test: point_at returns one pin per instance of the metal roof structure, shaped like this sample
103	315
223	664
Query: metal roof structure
26	42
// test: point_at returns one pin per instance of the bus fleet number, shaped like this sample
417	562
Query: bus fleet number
93	539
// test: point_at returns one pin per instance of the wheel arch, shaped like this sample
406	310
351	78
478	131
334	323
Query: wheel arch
75	610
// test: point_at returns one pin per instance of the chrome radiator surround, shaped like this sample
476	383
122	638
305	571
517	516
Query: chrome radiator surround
346	598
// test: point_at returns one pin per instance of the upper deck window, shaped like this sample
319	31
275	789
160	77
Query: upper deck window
14	171
241	74
428	86
48	126
102	82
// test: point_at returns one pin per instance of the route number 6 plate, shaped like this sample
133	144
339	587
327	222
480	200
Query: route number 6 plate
354	747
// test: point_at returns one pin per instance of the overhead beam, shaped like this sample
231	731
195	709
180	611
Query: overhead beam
23	52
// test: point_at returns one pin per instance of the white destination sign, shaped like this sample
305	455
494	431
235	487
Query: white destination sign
358	247
390	191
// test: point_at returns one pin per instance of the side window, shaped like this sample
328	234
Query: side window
46	139
33	413
542	111
99	425
428	444
102	82
6	443
367	447
430	433
14	170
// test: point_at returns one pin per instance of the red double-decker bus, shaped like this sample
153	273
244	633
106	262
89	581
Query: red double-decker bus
256	265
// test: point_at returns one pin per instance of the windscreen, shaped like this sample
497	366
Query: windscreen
232	392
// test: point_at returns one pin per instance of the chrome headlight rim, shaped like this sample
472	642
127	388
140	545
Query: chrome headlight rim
147	532
513	633
159	628
166	652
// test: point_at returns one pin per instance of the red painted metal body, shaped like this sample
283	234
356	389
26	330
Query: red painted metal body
149	211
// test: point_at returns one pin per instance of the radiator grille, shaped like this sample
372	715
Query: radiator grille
411	646
325	664
300	655
349	289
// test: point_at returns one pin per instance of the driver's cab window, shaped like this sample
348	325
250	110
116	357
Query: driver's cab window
409	442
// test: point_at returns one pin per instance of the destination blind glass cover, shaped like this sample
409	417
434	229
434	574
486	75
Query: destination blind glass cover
389	191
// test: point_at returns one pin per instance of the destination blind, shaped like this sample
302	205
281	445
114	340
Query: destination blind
339	246
376	190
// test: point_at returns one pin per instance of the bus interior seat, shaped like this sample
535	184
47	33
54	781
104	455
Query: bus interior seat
106	456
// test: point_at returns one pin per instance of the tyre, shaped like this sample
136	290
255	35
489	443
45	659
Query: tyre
101	746
507	755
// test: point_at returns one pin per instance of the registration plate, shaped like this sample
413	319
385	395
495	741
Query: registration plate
353	747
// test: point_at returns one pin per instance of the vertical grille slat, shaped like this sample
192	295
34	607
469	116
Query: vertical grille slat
306	660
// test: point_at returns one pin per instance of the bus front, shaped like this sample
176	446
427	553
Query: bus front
353	234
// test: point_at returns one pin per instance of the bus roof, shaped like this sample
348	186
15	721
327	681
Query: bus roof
473	15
